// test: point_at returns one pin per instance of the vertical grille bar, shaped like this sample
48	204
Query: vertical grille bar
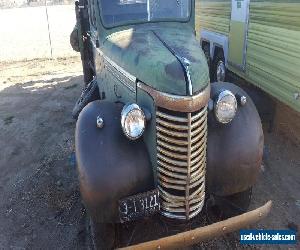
187	188
181	154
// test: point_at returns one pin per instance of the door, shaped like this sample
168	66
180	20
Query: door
238	33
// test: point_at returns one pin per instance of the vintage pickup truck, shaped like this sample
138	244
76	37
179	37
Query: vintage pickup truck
153	135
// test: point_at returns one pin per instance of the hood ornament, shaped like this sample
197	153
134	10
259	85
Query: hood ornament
186	64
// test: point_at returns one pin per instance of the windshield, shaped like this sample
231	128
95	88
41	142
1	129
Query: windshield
119	12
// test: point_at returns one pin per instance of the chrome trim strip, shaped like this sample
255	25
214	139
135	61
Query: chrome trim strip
186	64
188	178
177	102
121	74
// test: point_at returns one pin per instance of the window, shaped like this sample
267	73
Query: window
118	12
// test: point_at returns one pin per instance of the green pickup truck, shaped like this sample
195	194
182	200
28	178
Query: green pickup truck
154	138
256	40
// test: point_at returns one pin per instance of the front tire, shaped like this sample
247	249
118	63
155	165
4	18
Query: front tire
237	203
218	68
232	205
89	93
206	52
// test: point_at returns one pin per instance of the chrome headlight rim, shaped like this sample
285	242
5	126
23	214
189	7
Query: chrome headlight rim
125	114
221	96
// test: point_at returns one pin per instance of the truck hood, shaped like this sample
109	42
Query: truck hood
145	53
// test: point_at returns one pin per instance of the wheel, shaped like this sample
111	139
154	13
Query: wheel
206	52
236	204
218	69
229	206
103	235
89	93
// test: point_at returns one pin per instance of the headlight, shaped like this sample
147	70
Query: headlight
133	121
225	107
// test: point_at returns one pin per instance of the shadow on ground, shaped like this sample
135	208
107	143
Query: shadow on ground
39	199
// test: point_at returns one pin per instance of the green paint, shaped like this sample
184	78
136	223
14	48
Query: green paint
236	42
140	52
146	102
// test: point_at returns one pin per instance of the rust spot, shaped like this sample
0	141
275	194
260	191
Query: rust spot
174	70
141	53
137	59
140	40
145	51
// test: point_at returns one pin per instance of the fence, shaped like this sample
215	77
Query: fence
36	32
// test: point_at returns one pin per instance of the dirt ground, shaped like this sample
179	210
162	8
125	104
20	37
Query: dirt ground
40	205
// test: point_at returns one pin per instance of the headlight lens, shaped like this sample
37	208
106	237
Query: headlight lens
226	106
133	121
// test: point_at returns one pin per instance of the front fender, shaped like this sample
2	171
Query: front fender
234	150
110	166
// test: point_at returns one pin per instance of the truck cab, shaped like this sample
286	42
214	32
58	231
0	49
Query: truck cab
153	135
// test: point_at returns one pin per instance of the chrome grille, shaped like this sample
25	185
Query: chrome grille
181	159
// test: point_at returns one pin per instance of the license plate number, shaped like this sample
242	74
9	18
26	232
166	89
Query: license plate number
139	206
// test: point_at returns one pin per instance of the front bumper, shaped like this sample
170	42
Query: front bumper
197	235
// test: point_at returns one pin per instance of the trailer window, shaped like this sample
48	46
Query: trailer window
120	12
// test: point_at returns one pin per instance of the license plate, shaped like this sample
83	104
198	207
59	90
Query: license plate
139	206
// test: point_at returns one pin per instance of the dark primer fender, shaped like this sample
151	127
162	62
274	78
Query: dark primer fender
110	166
234	150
